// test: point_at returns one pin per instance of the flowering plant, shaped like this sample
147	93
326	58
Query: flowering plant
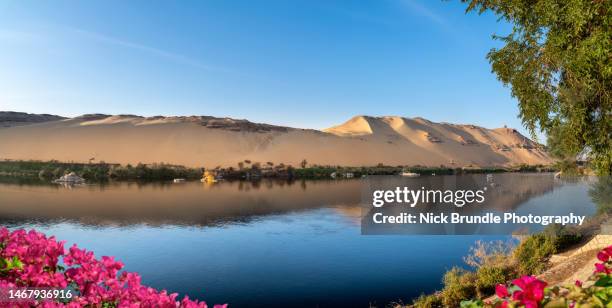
32	260
530	292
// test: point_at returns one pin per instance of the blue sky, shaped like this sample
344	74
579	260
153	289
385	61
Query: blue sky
302	63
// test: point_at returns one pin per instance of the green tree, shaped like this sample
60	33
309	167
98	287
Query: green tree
601	194
557	62
558	146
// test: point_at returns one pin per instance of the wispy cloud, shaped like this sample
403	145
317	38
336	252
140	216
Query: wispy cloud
16	36
361	16
171	56
420	9
414	7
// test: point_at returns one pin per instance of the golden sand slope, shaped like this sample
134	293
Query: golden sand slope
211	142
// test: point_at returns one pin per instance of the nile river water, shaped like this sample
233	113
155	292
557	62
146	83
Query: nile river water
272	244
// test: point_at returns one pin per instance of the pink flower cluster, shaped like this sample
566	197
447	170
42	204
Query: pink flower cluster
604	256
30	259
529	294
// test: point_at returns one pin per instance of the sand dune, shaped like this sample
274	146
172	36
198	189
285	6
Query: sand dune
11	118
211	142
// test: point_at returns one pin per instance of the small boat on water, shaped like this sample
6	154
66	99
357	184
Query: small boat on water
410	174
70	179
210	177
179	180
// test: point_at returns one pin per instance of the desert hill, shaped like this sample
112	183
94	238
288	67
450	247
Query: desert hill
210	142
11	118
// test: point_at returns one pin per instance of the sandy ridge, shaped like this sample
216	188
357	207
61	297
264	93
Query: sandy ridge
210	142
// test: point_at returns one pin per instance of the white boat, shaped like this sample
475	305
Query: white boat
70	179
180	180
410	174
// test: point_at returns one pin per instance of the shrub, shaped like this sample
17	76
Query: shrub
533	252
494	253
563	236
45	173
528	291
487	277
459	284
568	168
428	301
493	264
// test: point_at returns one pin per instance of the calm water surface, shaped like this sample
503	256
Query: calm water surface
272	244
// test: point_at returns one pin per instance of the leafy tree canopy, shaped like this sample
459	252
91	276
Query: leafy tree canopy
556	61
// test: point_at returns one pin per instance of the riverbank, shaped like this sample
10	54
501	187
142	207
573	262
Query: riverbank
559	255
101	171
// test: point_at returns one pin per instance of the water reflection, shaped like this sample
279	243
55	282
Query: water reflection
521	193
270	244
191	203
199	204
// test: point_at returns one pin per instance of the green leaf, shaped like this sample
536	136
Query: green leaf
604	281
15	263
597	301
472	304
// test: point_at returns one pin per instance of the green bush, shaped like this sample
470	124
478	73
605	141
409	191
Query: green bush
459	284
45	173
487	277
568	167
532	253
564	237
601	194
428	301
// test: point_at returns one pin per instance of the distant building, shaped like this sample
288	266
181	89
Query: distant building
70	178
584	157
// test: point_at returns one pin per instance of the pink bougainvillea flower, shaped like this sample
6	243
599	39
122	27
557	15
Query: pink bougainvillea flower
531	291
501	291
34	260
578	283
603	256
601	268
